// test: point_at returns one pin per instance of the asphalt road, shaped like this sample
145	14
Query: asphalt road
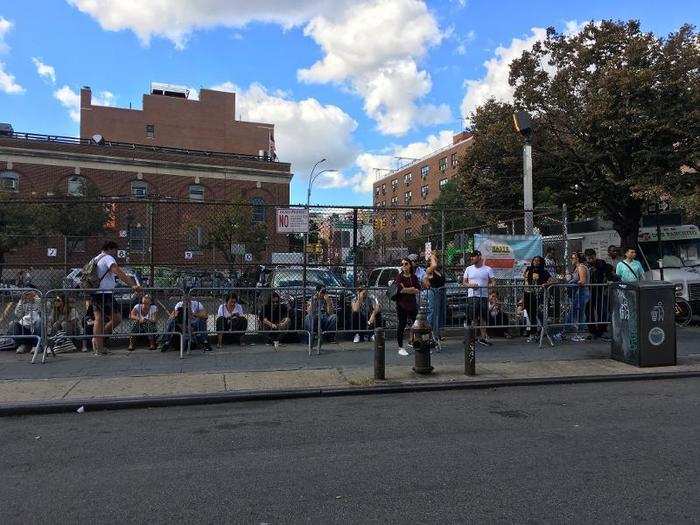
611	452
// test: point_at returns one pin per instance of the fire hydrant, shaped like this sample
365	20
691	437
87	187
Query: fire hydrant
420	340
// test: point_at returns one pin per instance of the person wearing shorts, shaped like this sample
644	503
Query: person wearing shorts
477	278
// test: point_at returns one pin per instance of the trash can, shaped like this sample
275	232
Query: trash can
643	325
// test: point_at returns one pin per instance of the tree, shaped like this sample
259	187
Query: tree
18	227
618	116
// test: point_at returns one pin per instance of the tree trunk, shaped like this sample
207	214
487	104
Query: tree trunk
2	264
629	234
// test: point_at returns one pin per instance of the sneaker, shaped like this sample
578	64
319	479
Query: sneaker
22	349
33	350
484	342
276	344
356	339
530	339
578	338
402	351
372	338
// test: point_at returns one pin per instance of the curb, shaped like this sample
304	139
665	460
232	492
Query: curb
94	405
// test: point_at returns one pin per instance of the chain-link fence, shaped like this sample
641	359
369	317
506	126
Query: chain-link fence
168	243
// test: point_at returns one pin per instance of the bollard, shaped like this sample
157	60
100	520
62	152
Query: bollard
379	354
470	352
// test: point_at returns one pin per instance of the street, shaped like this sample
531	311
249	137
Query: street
612	452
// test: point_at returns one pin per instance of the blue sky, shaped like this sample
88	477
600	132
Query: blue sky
356	82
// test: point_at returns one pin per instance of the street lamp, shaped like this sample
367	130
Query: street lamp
523	125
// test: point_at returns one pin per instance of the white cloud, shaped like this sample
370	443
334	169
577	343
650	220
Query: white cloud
70	100
5	26
464	41
374	45
177	19
305	130
495	83
45	71
7	82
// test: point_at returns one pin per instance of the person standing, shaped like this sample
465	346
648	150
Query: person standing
614	255
601	273
630	270
477	278
536	276
102	300
578	281
434	282
408	288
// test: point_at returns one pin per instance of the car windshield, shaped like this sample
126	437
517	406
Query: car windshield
674	254
295	277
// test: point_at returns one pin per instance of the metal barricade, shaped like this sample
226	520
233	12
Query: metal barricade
88	316
577	309
21	320
277	313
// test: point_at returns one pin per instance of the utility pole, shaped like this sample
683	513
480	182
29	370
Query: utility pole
523	124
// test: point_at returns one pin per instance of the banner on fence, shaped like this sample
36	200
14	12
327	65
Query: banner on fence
508	255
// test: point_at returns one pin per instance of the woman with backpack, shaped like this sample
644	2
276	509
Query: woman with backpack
407	290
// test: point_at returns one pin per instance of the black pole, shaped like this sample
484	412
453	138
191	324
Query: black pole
469	352
379	354
658	241
354	248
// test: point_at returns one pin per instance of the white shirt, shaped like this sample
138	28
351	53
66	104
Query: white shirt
420	273
223	311
195	306
104	265
150	316
479	276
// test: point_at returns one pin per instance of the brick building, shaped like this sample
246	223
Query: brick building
417	184
162	195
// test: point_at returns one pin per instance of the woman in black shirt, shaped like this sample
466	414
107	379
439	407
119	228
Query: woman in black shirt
536	276
406	305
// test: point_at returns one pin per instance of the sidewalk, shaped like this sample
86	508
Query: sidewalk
145	374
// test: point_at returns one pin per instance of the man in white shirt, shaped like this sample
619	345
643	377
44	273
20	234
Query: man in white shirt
102	301
197	316
478	277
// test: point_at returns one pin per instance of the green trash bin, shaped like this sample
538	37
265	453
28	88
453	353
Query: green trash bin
643	324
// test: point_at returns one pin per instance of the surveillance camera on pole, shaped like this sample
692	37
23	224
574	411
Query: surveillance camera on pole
523	125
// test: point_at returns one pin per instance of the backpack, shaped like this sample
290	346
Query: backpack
89	278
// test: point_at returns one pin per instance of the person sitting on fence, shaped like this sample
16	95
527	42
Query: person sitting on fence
319	311
230	318
197	315
275	318
497	317
143	322
366	314
27	321
63	323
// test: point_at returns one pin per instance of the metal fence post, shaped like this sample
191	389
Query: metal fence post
565	233
469	352
354	247
379	354
442	237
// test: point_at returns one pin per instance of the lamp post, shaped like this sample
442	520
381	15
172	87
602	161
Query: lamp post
306	235
523	125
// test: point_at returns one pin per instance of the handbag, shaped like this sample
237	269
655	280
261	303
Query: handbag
392	291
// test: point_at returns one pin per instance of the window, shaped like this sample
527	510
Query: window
407	233
394	235
150	131
425	171
443	163
443	183
425	228
394	201
139	189
383	189
9	181
407	197
377	192
454	160
137	240
76	186
393	220
408	178
424	191
394	184
408	215
196	192
383	204
195	240
258	209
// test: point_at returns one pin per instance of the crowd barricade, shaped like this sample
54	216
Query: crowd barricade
74	328
276	313
578	309
21	320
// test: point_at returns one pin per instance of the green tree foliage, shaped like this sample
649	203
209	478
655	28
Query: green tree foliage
18	226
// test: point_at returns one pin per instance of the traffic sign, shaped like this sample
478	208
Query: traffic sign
292	220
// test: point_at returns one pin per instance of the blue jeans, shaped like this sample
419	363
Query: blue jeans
577	314
328	323
436	309
22	334
197	325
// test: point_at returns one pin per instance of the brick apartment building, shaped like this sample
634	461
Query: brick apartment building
148	173
416	184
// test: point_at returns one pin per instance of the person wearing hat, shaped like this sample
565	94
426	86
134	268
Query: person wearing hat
477	278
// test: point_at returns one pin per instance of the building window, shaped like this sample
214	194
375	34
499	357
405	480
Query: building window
443	183
425	171
408	215
76	186
139	189
377	192
408	178
394	201
393	219
407	197
258	209
150	131
454	160
425	228
383	204
195	240
196	193
137	240
9	181
394	235
443	163
424	191
394	184
408	233
383	189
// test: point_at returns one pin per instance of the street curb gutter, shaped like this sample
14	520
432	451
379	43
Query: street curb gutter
94	405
